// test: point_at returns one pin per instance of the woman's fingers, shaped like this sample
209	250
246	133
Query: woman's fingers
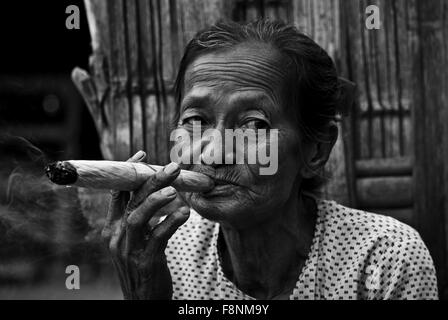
116	254
117	204
160	235
137	221
167	209
120	198
146	201
141	215
160	179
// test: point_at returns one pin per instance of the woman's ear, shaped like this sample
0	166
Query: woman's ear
316	153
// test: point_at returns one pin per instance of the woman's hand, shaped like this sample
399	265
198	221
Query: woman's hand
137	249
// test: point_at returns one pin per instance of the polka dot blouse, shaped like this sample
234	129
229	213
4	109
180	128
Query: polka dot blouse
354	255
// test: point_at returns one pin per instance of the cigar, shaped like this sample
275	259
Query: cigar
119	175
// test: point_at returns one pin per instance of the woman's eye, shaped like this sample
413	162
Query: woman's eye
193	120
256	124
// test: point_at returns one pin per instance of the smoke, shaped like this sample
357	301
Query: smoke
35	210
40	211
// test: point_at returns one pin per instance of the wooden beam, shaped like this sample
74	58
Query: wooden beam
384	192
400	166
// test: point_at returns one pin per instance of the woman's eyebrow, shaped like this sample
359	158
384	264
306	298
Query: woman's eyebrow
260	102
195	101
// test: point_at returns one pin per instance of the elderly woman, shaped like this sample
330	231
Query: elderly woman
260	236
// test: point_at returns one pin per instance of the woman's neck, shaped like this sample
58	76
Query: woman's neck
265	261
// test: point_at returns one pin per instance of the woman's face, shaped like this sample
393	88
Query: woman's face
241	89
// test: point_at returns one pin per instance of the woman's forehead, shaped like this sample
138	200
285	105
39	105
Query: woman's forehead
251	67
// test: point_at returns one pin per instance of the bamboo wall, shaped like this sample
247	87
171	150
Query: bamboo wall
380	62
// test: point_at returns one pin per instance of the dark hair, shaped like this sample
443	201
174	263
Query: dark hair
312	85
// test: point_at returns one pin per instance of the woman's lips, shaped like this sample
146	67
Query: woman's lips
222	188
220	182
224	185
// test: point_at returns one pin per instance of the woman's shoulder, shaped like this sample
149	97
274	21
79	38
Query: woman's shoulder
389	257
369	225
371	234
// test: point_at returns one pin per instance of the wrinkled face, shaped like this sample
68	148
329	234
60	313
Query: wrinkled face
242	89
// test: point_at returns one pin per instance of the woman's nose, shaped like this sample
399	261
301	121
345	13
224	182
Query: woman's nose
215	150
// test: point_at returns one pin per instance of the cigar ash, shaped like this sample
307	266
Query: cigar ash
61	172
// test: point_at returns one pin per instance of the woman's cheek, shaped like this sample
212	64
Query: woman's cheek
259	152
277	165
286	161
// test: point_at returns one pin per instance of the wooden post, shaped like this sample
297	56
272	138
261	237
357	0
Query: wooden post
430	122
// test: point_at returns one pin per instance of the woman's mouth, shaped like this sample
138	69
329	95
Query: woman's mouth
220	182
222	188
225	183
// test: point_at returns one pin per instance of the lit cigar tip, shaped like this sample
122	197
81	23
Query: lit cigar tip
61	172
